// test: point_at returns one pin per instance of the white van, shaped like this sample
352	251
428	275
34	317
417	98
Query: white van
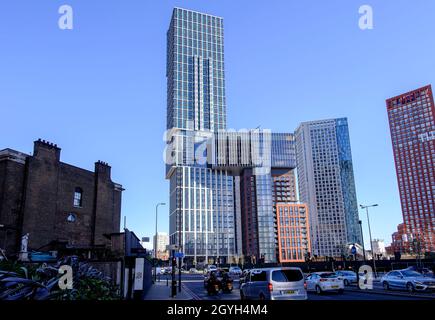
274	284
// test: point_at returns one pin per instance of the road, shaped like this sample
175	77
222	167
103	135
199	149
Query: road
194	285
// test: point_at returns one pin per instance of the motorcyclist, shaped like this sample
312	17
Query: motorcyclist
225	281
211	282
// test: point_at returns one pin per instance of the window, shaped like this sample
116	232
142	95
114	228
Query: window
287	275
258	276
78	197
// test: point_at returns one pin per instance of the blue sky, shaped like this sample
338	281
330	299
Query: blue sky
99	90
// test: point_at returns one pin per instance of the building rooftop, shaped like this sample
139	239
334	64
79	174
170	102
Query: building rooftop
205	14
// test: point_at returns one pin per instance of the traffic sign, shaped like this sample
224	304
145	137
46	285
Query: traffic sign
179	255
353	250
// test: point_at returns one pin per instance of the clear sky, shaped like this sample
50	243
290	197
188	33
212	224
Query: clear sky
99	90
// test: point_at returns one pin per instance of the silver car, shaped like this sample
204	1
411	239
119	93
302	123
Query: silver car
235	271
348	277
274	284
321	282
407	279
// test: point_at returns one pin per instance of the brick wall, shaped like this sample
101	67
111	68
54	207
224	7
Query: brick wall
42	189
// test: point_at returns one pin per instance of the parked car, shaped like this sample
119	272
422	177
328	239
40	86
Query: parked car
235	271
193	270
274	284
210	268
424	271
321	282
348	277
407	279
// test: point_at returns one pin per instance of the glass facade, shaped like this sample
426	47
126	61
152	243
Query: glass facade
326	184
202	213
221	199
347	182
202	208
283	150
265	218
195	72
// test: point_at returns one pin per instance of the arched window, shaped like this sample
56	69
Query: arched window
78	197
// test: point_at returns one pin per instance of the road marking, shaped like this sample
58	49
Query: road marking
190	292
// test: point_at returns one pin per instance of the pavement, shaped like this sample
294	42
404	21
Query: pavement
160	291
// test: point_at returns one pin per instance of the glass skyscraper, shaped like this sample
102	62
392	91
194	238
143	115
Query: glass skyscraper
201	198
221	203
195	72
326	184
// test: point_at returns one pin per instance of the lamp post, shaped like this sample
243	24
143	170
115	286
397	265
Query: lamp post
155	242
370	234
362	239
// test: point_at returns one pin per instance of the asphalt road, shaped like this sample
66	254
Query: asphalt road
194	285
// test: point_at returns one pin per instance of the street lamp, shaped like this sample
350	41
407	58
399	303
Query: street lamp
370	233
155	242
362	239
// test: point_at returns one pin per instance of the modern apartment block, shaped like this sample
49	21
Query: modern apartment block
412	124
293	232
326	184
195	72
160	245
400	243
201	198
221	181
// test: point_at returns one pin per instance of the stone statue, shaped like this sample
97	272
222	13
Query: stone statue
24	242
24	256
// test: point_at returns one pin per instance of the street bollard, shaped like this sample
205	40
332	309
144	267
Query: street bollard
174	289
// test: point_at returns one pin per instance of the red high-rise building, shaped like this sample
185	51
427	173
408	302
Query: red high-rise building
412	125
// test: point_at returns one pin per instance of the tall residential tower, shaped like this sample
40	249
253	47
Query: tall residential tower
326	184
201	198
412	124
224	184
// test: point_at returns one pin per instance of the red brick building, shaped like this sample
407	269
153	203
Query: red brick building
412	124
399	239
293	232
56	203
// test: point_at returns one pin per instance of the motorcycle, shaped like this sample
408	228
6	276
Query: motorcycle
227	285
213	286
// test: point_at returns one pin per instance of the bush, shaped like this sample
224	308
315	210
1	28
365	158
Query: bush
41	282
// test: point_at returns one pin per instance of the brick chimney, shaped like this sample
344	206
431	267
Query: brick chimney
46	150
103	170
